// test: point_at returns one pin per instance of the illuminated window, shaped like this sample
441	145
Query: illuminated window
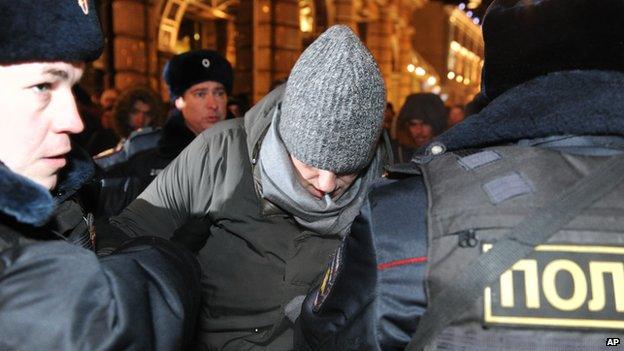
306	16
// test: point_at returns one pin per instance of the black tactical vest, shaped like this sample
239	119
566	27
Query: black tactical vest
568	294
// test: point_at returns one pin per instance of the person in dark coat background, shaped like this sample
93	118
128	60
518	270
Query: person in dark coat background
199	83
421	118
530	188
55	293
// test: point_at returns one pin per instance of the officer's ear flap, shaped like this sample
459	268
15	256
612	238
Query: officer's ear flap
179	103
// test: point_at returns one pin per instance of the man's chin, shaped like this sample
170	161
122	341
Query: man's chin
48	182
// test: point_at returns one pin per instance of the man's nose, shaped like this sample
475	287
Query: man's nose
326	181
67	118
211	102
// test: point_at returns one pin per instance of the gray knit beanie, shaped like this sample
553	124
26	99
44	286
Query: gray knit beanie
334	103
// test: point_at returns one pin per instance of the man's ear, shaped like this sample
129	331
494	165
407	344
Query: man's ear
179	103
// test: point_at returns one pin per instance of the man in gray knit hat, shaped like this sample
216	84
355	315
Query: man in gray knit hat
270	196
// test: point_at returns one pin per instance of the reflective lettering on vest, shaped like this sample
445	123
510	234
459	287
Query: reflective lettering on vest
565	286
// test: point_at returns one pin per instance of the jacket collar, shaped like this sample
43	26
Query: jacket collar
175	136
258	120
561	103
32	204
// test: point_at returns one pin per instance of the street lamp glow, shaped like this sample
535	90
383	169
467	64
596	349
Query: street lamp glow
432	80
420	71
451	75
459	79
410	68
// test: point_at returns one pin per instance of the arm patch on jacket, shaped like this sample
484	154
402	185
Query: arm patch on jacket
329	278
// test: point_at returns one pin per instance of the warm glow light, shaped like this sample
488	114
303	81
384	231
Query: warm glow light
436	89
466	81
410	68
196	36
473	4
451	75
432	80
459	79
306	16
265	9
455	46
420	71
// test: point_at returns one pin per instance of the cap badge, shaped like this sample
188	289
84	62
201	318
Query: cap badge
206	63
84	5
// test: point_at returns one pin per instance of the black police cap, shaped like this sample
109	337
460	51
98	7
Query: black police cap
49	30
525	39
193	67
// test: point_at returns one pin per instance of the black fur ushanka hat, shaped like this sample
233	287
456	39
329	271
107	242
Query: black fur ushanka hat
525	39
196	66
49	30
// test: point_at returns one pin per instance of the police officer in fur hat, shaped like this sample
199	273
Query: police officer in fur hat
55	293
505	233
199	83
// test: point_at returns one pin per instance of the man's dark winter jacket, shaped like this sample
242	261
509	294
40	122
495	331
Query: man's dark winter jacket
376	287
122	183
57	295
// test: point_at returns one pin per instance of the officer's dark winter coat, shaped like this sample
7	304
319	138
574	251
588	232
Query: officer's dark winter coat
122	183
377	293
57	295
175	137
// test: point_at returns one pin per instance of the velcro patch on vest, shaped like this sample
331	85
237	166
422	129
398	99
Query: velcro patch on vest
506	187
480	159
328	279
466	152
560	286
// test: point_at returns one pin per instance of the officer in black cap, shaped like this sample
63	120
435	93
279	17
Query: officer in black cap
504	233
55	293
199	83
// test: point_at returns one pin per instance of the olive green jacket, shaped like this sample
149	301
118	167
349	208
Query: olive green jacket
256	258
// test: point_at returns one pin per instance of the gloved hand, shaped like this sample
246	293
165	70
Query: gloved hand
108	237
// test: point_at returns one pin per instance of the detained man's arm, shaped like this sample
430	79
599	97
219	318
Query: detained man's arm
180	192
57	296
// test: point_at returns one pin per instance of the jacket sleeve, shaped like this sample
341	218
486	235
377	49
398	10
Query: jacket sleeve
57	296
180	192
373	294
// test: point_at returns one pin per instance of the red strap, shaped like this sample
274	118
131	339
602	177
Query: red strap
402	262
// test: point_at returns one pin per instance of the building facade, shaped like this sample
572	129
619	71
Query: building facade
417	43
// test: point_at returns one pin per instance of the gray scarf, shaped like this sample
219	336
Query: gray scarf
281	187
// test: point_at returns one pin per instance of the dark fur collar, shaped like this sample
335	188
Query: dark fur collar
30	203
176	136
561	103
